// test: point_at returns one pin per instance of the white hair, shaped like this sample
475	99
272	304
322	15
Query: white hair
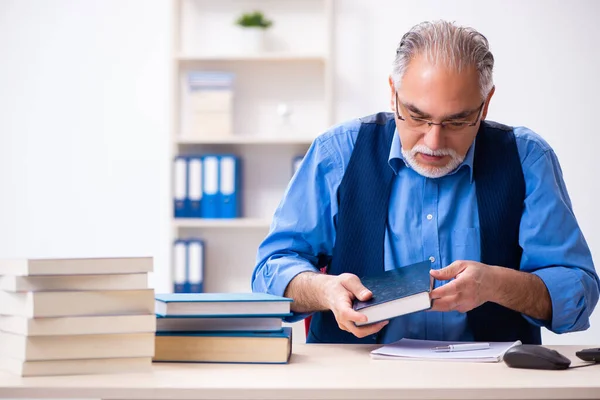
444	42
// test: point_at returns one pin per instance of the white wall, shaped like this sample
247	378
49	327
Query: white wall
84	126
85	114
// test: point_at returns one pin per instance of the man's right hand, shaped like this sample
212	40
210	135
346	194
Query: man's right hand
339	292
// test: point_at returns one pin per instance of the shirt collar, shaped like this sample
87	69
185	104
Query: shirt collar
396	159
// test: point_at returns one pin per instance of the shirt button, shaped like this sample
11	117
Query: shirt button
432	259
429	216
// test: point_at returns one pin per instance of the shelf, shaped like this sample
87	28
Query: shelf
252	223
248	140
253	57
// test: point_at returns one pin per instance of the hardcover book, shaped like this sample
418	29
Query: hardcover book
396	292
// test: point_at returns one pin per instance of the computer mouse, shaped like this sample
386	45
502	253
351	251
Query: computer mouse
535	357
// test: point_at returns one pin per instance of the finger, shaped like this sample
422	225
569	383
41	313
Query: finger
363	331
450	271
449	303
348	314
353	285
449	289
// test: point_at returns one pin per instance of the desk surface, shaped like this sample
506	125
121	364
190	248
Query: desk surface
321	371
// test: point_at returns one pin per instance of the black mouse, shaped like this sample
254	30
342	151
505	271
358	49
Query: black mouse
535	357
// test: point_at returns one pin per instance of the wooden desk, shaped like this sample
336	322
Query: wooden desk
321	372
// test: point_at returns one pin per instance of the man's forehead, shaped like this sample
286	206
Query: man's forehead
439	89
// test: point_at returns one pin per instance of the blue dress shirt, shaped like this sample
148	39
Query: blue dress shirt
435	219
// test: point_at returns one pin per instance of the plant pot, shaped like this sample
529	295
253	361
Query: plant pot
252	40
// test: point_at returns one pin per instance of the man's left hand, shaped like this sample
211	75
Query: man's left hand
470	287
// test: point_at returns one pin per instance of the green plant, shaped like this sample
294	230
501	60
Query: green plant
254	19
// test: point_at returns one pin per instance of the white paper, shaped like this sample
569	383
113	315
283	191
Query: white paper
412	349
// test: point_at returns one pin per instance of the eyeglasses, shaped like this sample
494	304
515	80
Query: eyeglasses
424	125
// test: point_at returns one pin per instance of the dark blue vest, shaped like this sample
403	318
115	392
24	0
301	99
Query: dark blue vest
363	198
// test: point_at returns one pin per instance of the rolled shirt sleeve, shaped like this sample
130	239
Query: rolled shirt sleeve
303	223
554	247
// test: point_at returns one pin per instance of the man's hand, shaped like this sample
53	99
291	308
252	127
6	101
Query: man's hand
470	288
339	292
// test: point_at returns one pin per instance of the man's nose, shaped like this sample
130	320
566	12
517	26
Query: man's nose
434	138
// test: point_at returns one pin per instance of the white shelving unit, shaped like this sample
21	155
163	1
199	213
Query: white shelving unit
296	70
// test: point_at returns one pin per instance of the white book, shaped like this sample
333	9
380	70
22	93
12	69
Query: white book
73	347
76	367
77	325
41	283
68	304
75	266
224	324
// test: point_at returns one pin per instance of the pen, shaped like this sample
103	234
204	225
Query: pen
463	347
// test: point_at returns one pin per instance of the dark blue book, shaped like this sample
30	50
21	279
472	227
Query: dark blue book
396	292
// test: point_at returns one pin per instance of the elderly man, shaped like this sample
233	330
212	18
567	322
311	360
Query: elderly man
484	202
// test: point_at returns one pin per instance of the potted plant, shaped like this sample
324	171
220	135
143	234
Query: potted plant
253	25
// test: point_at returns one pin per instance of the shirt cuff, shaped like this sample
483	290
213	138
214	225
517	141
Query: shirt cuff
567	297
281	282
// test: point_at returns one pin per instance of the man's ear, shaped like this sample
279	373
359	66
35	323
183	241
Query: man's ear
487	103
392	94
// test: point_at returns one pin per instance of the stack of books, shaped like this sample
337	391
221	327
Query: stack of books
222	327
76	316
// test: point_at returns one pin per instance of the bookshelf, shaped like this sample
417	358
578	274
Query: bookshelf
215	223
295	72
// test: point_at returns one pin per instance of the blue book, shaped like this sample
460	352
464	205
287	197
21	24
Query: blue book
224	347
396	292
223	304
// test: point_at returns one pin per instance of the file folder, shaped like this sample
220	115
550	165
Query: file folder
195	187
195	272
180	183
296	164
229	186
210	187
179	266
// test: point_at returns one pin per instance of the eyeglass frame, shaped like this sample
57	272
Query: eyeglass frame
440	124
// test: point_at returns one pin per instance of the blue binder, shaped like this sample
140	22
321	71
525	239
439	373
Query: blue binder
229	186
210	187
195	187
296	164
179	266
195	266
180	185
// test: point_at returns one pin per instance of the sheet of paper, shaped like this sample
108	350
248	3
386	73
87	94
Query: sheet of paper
412	349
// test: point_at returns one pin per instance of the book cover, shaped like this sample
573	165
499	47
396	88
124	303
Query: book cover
224	347
396	292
